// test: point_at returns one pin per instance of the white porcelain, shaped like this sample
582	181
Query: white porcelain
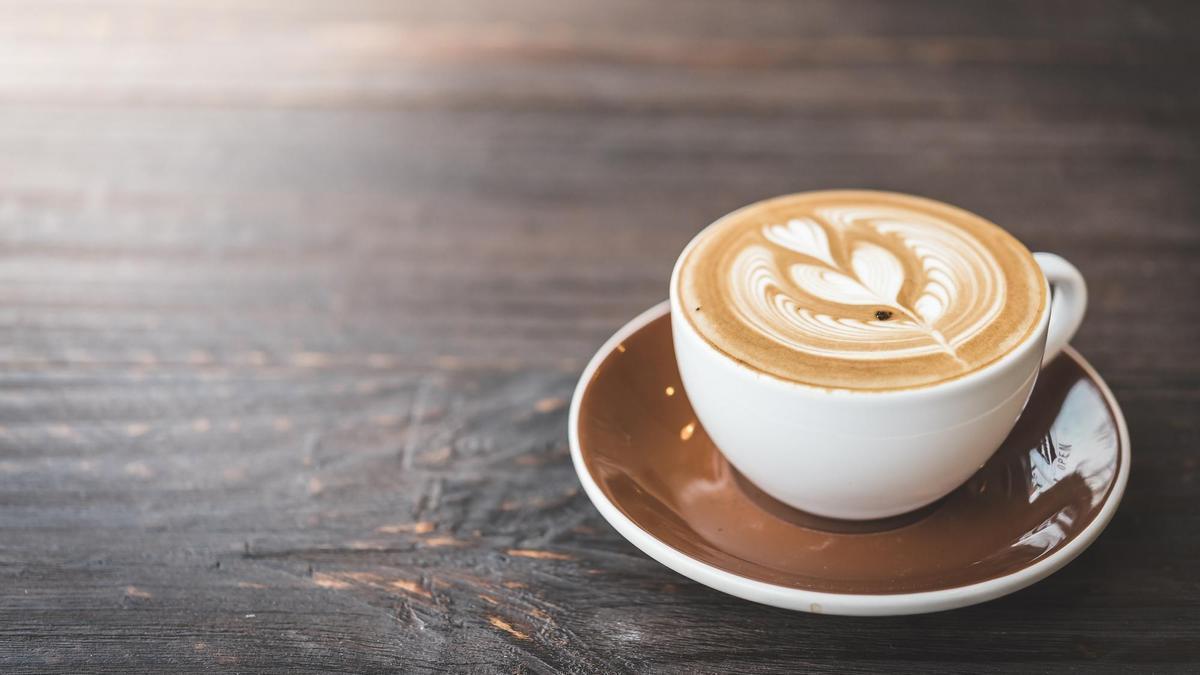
868	454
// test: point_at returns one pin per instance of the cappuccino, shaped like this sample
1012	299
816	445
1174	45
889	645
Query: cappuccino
860	290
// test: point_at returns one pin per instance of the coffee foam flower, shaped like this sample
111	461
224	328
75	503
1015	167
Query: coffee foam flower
815	284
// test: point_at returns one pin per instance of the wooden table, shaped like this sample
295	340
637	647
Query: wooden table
294	293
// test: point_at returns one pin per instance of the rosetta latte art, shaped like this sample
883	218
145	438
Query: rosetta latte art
859	289
816	284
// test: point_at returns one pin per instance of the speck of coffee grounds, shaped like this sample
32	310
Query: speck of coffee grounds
883	315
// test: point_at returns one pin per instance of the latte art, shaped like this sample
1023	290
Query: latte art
860	289
796	292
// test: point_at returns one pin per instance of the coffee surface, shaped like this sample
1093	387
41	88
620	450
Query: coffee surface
860	289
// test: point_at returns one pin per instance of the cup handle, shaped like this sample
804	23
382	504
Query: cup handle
1068	302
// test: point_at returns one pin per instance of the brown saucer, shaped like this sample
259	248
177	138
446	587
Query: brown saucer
653	465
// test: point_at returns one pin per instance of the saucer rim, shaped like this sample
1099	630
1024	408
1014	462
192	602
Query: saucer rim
821	602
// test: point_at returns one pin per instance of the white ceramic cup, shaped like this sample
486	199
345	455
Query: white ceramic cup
868	454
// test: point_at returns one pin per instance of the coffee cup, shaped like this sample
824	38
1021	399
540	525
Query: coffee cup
860	354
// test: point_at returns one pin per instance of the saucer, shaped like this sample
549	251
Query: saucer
653	473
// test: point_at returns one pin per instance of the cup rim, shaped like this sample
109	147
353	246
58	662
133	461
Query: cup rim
939	388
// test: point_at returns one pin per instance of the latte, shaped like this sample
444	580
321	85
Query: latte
860	290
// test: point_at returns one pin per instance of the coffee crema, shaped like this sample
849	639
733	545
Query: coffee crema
864	290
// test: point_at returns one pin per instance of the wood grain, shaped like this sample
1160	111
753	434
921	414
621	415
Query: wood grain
293	296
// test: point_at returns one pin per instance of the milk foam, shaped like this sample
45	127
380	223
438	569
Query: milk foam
861	289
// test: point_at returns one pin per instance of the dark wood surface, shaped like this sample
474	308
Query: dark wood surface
293	295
